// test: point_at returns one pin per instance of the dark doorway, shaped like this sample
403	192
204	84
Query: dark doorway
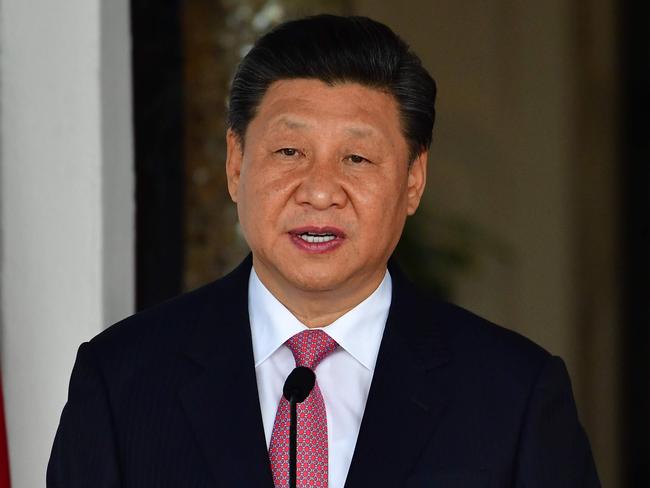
157	97
635	143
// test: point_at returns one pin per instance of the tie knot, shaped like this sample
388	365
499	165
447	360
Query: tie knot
310	347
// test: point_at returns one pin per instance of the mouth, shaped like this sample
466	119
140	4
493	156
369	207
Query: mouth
317	239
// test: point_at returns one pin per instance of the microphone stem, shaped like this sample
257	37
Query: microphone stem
293	444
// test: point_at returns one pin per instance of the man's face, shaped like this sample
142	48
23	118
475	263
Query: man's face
322	184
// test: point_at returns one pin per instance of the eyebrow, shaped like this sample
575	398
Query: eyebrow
291	123
360	131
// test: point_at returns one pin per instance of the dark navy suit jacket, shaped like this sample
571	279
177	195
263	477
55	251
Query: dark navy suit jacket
168	398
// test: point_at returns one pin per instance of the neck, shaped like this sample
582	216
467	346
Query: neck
319	308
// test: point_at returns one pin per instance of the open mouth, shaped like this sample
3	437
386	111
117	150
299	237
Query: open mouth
314	237
317	239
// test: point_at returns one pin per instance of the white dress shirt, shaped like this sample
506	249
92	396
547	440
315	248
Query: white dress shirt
344	376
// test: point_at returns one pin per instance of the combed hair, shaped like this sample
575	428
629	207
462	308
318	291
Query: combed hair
337	49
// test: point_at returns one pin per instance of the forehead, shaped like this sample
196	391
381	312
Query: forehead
303	104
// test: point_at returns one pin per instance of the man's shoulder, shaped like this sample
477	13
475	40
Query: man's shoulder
470	341
163	330
175	319
471	331
484	349
155	331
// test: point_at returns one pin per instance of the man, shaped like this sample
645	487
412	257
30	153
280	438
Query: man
330	123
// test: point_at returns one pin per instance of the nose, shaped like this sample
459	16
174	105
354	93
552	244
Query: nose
321	187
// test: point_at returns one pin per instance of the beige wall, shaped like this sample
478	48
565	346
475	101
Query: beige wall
514	152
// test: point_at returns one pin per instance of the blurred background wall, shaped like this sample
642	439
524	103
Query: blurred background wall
66	204
529	217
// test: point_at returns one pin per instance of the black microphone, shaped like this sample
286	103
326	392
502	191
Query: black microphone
299	384
297	387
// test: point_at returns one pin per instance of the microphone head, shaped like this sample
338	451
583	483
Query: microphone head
299	384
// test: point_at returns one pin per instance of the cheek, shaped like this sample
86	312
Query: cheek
249	207
254	223
262	198
383	202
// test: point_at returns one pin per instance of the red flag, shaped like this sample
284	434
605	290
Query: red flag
4	455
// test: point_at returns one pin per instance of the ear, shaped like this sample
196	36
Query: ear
417	179
234	157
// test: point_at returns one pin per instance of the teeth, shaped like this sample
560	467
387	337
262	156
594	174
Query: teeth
317	238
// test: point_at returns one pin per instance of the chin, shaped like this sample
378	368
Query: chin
310	280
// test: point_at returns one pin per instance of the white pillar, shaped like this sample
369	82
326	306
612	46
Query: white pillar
66	204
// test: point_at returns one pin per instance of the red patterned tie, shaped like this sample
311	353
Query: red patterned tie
309	348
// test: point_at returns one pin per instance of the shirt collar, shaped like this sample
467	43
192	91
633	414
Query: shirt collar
358	331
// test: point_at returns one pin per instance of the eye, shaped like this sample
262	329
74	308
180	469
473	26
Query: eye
356	159
287	151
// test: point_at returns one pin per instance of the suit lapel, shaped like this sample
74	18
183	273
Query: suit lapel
407	397
221	402
408	393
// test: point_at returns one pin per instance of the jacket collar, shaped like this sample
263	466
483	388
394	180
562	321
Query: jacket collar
221	401
409	390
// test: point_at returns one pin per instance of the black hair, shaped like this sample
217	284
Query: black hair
334	50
